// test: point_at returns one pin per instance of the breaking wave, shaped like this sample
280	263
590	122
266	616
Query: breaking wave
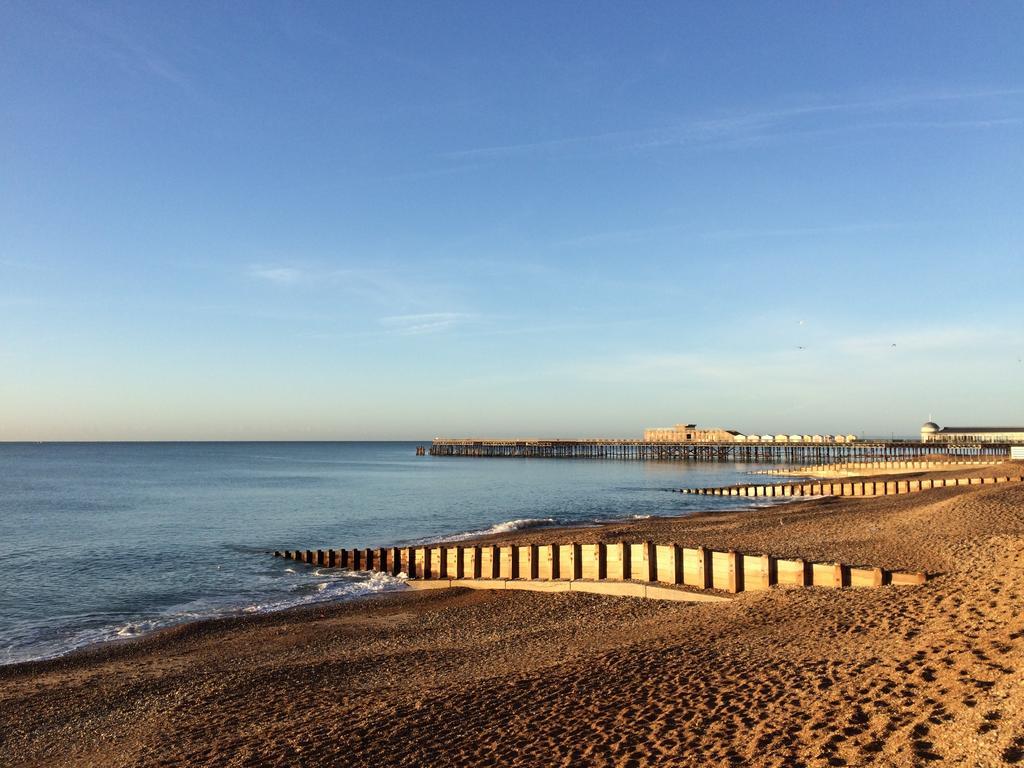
506	527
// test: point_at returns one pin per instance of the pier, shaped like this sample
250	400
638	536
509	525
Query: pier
763	452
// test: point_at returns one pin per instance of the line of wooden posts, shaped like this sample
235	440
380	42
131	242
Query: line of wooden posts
846	488
846	466
669	564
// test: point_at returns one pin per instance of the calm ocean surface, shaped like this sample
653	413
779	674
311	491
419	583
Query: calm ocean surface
104	541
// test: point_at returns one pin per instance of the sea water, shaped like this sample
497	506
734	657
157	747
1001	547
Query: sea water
100	541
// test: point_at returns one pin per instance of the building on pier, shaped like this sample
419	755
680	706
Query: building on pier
933	433
691	433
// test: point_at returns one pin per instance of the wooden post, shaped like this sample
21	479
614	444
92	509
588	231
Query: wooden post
652	561
495	562
543	564
410	563
804	576
766	572
442	563
705	568
837	575
625	552
577	561
677	564
368	559
735	572
532	557
382	560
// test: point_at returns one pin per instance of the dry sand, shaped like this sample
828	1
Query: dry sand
891	676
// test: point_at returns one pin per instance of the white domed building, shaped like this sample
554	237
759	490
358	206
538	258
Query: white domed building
933	433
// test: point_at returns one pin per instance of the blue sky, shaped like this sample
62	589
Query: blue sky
400	220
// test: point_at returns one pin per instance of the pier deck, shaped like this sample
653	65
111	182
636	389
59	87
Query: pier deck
597	448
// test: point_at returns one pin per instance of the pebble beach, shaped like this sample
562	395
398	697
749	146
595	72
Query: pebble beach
899	676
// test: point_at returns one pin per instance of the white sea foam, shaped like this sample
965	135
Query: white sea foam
347	585
506	527
336	586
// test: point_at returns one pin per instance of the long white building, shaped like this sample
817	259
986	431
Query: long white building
933	433
691	433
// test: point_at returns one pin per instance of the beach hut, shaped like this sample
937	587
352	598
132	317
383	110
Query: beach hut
767	439
817	439
828	439
839	439
796	438
808	439
851	438
782	438
753	438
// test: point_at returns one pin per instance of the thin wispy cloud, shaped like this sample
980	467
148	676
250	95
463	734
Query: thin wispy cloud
28	266
688	230
429	322
278	275
9	302
109	36
864	354
840	229
681	368
934	339
757	124
400	288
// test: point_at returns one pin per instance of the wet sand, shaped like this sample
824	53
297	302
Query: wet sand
896	676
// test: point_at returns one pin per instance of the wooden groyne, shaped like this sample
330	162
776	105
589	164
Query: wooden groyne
841	488
691	451
645	569
884	466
